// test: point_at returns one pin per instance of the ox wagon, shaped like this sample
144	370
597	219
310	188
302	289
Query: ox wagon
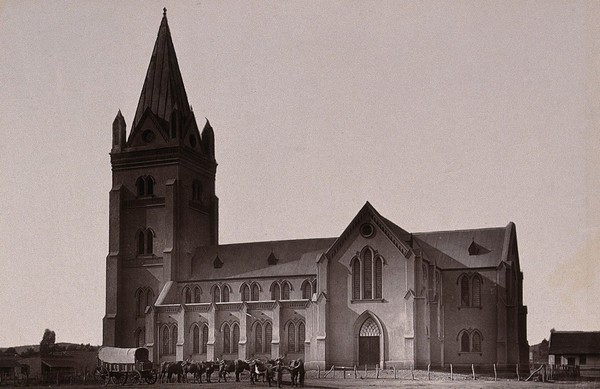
117	365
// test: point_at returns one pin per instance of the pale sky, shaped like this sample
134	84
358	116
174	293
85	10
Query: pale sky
444	115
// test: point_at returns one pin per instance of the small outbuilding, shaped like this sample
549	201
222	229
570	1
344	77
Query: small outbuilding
575	350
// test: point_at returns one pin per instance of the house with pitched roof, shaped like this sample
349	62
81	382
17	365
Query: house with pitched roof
374	295
577	350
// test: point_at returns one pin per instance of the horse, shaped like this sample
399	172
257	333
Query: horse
269	369
170	368
240	366
237	367
210	367
196	369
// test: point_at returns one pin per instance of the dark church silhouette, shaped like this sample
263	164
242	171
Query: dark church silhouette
375	294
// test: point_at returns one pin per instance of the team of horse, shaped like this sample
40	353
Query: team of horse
270	370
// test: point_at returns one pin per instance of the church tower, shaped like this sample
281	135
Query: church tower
162	202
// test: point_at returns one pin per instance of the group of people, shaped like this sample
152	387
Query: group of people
271	370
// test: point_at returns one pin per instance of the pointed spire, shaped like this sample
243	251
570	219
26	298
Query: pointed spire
163	87
119	128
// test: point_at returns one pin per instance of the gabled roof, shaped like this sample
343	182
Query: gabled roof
450	249
574	342
247	260
398	236
163	89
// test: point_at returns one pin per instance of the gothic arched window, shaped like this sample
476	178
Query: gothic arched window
149	241
149	185
187	295
378	278
464	291
476	342
470	290
245	292
356	279
301	337
235	338
204	338
258	337
255	292
196	340
465	346
216	294
275	291
225	291
226	339
476	291
306	290
291	346
140	186
165	341
149	298
367	274
173	339
197	294
285	291
268	337
140	337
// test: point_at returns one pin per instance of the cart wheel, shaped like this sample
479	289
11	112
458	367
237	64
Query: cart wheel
119	378
151	377
136	377
101	375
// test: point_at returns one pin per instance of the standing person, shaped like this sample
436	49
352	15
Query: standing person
279	370
301	371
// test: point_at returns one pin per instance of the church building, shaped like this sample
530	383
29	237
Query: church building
375	294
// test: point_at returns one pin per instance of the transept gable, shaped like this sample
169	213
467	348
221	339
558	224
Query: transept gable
367	223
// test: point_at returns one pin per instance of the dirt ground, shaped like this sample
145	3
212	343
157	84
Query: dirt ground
374	383
404	379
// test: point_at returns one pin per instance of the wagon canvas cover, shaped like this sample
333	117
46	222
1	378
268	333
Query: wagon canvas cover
122	355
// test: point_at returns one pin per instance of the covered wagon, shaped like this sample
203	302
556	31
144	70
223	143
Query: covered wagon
117	365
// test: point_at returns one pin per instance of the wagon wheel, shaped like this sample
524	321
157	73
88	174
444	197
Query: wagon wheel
101	375
119	378
151	377
136	377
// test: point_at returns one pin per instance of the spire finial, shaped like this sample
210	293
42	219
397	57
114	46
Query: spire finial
165	11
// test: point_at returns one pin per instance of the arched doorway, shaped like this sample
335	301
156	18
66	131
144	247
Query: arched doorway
368	343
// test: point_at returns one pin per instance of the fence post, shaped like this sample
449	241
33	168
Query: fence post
495	373
412	371
355	373
394	367
365	370
429	371
518	376
473	370
318	371
451	373
377	371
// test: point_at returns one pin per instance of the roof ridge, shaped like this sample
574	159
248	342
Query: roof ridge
461	230
269	241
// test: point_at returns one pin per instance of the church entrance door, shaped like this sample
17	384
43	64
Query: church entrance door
368	343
